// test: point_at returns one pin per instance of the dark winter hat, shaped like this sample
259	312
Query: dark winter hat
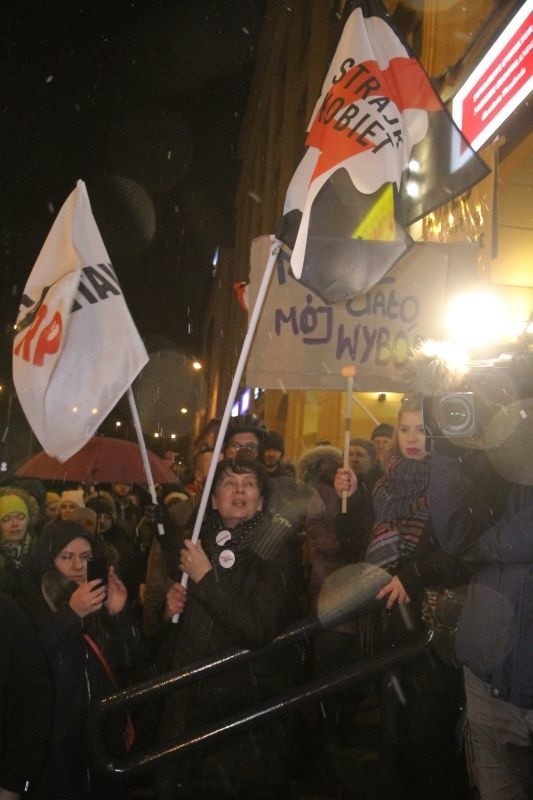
52	540
384	429
101	505
367	445
247	423
274	441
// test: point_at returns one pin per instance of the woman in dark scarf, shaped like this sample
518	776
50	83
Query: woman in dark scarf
400	503
243	590
420	704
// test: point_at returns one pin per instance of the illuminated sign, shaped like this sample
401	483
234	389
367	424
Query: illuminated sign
500	82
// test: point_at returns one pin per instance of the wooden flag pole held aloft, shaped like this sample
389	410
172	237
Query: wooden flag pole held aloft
349	374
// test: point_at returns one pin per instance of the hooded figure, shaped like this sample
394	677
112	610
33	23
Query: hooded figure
81	624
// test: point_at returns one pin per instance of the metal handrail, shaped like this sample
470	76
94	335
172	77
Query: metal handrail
147	691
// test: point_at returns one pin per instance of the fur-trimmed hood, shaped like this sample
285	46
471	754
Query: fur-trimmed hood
309	464
56	589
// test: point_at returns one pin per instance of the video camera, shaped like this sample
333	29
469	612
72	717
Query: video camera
488	388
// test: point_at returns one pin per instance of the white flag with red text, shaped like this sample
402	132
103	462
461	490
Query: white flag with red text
76	348
382	151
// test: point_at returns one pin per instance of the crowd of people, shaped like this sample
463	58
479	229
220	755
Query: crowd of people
275	542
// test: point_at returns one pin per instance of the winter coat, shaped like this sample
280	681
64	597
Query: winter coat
79	680
495	634
25	699
245	605
129	564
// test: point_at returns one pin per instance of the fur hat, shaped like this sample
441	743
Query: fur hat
102	503
175	497
56	589
85	515
33	487
309	461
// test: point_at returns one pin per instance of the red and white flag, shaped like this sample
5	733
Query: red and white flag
382	151
76	349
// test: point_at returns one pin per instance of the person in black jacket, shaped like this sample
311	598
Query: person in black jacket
494	639
26	702
243	590
83	627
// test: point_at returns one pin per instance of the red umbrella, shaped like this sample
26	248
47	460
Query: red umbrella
101	460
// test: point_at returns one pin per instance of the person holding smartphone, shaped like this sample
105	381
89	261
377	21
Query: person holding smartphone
84	627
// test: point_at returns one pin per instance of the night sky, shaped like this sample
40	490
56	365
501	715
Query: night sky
143	100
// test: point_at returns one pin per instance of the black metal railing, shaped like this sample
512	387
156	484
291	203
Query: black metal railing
315	689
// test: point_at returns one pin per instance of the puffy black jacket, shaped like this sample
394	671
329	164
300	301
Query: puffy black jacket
25	699
495	635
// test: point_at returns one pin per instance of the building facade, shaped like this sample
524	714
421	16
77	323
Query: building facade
297	42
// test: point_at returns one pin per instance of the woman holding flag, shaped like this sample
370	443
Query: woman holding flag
243	591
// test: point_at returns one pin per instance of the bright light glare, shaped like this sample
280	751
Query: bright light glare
196	365
184	410
413	189
478	319
453	354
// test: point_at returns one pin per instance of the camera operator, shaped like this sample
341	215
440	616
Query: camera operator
494	639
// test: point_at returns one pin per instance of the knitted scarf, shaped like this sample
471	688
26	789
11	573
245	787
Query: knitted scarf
264	534
400	508
16	552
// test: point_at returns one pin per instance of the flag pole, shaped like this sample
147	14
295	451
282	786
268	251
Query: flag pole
348	373
144	455
252	326
365	409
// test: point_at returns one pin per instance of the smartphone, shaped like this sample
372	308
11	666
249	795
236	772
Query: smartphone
97	568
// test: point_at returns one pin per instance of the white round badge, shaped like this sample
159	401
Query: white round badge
222	537
226	559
